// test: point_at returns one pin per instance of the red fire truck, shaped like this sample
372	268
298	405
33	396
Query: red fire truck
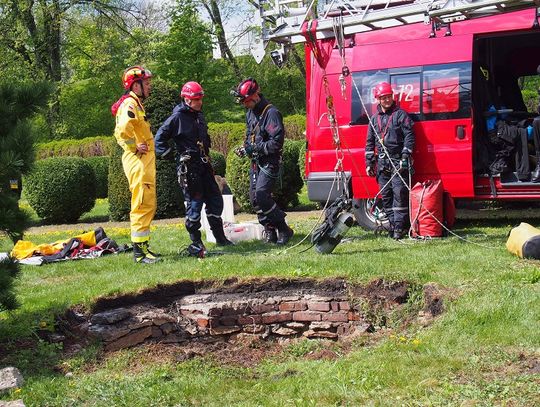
453	65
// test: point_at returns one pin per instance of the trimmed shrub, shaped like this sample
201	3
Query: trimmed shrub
100	165
87	147
238	178
302	160
225	135
119	194
290	184
218	162
295	125
287	186
159	105
61	189
170	200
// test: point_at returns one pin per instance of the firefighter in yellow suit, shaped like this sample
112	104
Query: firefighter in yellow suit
133	134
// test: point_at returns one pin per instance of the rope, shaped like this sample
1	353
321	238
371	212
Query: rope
397	173
339	34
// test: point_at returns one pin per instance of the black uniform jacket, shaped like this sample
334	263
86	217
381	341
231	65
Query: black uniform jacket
394	127
265	132
188	130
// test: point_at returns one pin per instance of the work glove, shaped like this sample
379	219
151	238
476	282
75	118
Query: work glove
250	150
404	163
240	152
370	171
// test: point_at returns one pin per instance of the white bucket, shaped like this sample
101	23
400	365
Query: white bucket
238	232
227	216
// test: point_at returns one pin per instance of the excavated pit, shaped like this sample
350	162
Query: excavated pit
271	309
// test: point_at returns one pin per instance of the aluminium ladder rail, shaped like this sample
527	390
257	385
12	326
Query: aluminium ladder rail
282	20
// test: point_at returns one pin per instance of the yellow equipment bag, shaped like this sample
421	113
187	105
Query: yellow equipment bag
524	241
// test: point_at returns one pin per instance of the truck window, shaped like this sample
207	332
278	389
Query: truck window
407	91
441	93
446	92
435	92
363	84
530	90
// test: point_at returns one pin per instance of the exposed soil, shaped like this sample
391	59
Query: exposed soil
244	349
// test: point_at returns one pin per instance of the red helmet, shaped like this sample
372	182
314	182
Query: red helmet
382	89
134	74
246	90
192	90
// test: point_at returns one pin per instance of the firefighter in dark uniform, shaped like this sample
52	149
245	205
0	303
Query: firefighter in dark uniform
265	135
389	145
189	131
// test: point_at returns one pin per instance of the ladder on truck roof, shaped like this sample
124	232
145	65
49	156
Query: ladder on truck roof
281	20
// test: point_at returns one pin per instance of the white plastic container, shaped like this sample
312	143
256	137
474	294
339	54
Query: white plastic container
227	216
238	232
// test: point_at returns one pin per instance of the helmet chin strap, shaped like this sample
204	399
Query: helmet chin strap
189	105
142	95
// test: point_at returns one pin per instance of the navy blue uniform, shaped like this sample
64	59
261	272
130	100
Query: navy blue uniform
265	135
394	128
189	132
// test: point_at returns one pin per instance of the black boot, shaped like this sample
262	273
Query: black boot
390	230
284	234
221	239
270	234
195	235
142	255
197	249
398	234
216	225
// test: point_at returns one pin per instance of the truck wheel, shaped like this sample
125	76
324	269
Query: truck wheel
364	212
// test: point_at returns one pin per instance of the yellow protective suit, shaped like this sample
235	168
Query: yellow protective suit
25	248
132	128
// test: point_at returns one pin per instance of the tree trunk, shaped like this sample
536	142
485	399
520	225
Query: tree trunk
298	61
212	8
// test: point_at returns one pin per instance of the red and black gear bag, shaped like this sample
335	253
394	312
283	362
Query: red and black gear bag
427	209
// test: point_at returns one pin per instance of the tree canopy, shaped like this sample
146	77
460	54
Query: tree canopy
82	47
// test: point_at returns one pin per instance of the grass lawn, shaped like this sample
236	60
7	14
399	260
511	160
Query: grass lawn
483	350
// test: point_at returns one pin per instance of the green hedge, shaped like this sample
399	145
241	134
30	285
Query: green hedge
61	189
238	179
302	159
225	135
170	201
87	147
287	186
219	163
119	195
159	105
295	126
286	193
100	165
